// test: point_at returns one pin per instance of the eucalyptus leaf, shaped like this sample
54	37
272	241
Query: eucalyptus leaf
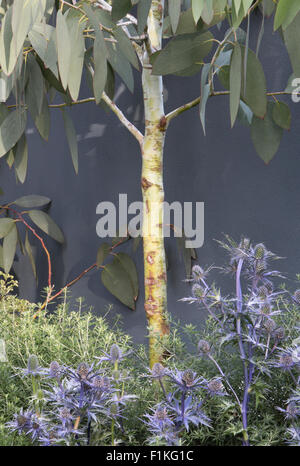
32	200
11	130
266	135
9	248
64	49
46	224
71	138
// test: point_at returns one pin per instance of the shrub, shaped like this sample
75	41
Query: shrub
234	379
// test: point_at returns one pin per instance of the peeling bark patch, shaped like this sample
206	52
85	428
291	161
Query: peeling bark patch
151	282
150	308
145	183
150	258
162	125
163	277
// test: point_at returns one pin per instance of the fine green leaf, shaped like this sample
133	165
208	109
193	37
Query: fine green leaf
126	47
6	35
11	130
267	7
3	355
118	282
121	66
35	87
21	158
282	115
102	253
9	248
292	41
71	138
285	13
120	8
130	268
266	135
181	53
6	225
77	54
235	82
174	12
63	48
99	55
46	224
197	7
142	14
42	121
29	252
254	92
32	200
207	11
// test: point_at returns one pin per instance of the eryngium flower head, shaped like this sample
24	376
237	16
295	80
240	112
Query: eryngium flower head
83	371
198	291
270	326
285	361
21	421
215	387
260	251
197	272
291	411
158	371
101	383
260	266
297	296
203	347
279	333
115	353
33	367
55	370
263	292
185	380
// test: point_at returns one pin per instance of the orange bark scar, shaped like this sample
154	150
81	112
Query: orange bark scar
145	183
150	258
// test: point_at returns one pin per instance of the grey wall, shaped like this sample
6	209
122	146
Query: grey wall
241	194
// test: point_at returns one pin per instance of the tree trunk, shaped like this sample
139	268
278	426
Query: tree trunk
153	191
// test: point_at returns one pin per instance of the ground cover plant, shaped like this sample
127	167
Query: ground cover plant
48	47
67	378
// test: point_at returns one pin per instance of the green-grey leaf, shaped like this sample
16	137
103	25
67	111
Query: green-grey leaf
72	138
182	52
174	12
197	7
142	14
46	224
292	41
121	66
9	248
118	282
235	82
285	13
11	130
42	121
120	8
6	35
126	46
35	87
282	115
266	135
130	268
254	93
32	200
77	54
102	253
21	158
267	6
29	252
6	225
63	48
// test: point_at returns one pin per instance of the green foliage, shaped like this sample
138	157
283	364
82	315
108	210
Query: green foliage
70	335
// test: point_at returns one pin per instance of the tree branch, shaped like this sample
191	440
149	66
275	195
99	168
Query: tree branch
195	102
130	126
